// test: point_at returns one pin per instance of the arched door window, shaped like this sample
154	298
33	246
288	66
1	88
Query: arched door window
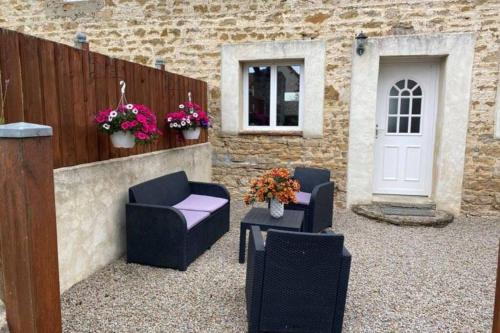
405	108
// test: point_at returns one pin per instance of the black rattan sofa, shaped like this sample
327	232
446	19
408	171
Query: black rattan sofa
171	221
296	282
315	198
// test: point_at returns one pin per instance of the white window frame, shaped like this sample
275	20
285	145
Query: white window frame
273	96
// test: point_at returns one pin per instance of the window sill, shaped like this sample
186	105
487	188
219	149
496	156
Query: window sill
272	133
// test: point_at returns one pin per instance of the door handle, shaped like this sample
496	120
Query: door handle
377	130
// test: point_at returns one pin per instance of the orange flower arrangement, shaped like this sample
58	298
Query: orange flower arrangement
275	184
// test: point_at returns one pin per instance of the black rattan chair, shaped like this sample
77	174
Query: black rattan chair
315	198
171	221
296	282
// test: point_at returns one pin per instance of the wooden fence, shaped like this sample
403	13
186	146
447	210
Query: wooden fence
64	87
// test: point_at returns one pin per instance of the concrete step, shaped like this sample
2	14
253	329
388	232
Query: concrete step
414	206
405	214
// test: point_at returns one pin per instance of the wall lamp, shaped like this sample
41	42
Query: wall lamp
361	43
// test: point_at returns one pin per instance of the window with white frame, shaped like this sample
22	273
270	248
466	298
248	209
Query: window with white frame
273	96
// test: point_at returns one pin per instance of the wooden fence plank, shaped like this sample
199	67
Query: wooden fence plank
79	108
101	102
120	76
166	106
90	105
30	73
66	116
204	88
48	74
153	81
131	92
112	88
10	66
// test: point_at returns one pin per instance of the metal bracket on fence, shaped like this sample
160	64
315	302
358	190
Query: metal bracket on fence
123	100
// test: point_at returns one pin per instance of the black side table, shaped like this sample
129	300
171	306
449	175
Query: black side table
290	221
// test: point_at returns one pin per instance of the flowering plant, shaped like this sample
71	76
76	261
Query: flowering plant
275	184
189	116
135	118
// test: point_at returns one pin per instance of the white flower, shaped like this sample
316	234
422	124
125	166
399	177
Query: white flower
135	111
195	115
169	119
183	123
175	124
172	125
129	106
106	126
113	114
188	121
181	106
110	118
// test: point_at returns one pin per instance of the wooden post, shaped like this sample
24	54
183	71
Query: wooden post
160	64
28	229
496	311
81	41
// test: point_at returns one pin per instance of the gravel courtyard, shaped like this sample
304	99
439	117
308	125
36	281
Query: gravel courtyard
403	279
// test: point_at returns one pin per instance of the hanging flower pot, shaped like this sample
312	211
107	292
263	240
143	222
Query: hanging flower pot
128	123
191	133
123	139
189	119
276	208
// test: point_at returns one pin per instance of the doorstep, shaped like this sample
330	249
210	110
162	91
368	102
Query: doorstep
405	214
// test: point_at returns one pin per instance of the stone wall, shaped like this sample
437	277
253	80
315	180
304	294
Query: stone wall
189	35
90	204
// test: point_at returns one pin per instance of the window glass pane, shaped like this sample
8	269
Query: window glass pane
417	105
287	99
405	106
259	81
393	106
403	125
405	93
415	125
391	126
417	92
394	91
411	84
401	84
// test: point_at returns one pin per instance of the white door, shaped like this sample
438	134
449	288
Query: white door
404	137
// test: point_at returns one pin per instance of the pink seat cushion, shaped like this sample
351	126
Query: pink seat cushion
193	217
202	203
303	198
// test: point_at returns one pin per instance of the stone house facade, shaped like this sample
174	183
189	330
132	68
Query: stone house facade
361	116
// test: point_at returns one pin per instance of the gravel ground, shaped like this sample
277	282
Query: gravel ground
403	279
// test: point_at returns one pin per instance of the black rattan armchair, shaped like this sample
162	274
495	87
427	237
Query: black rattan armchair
296	282
315	198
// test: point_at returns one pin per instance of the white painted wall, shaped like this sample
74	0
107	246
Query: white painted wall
457	50
90	204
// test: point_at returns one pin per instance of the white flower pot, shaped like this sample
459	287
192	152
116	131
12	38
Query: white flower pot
123	139
276	209
191	134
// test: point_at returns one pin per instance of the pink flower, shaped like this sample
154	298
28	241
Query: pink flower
133	123
141	135
140	118
125	125
101	118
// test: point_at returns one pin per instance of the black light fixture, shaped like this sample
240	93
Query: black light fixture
360	43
